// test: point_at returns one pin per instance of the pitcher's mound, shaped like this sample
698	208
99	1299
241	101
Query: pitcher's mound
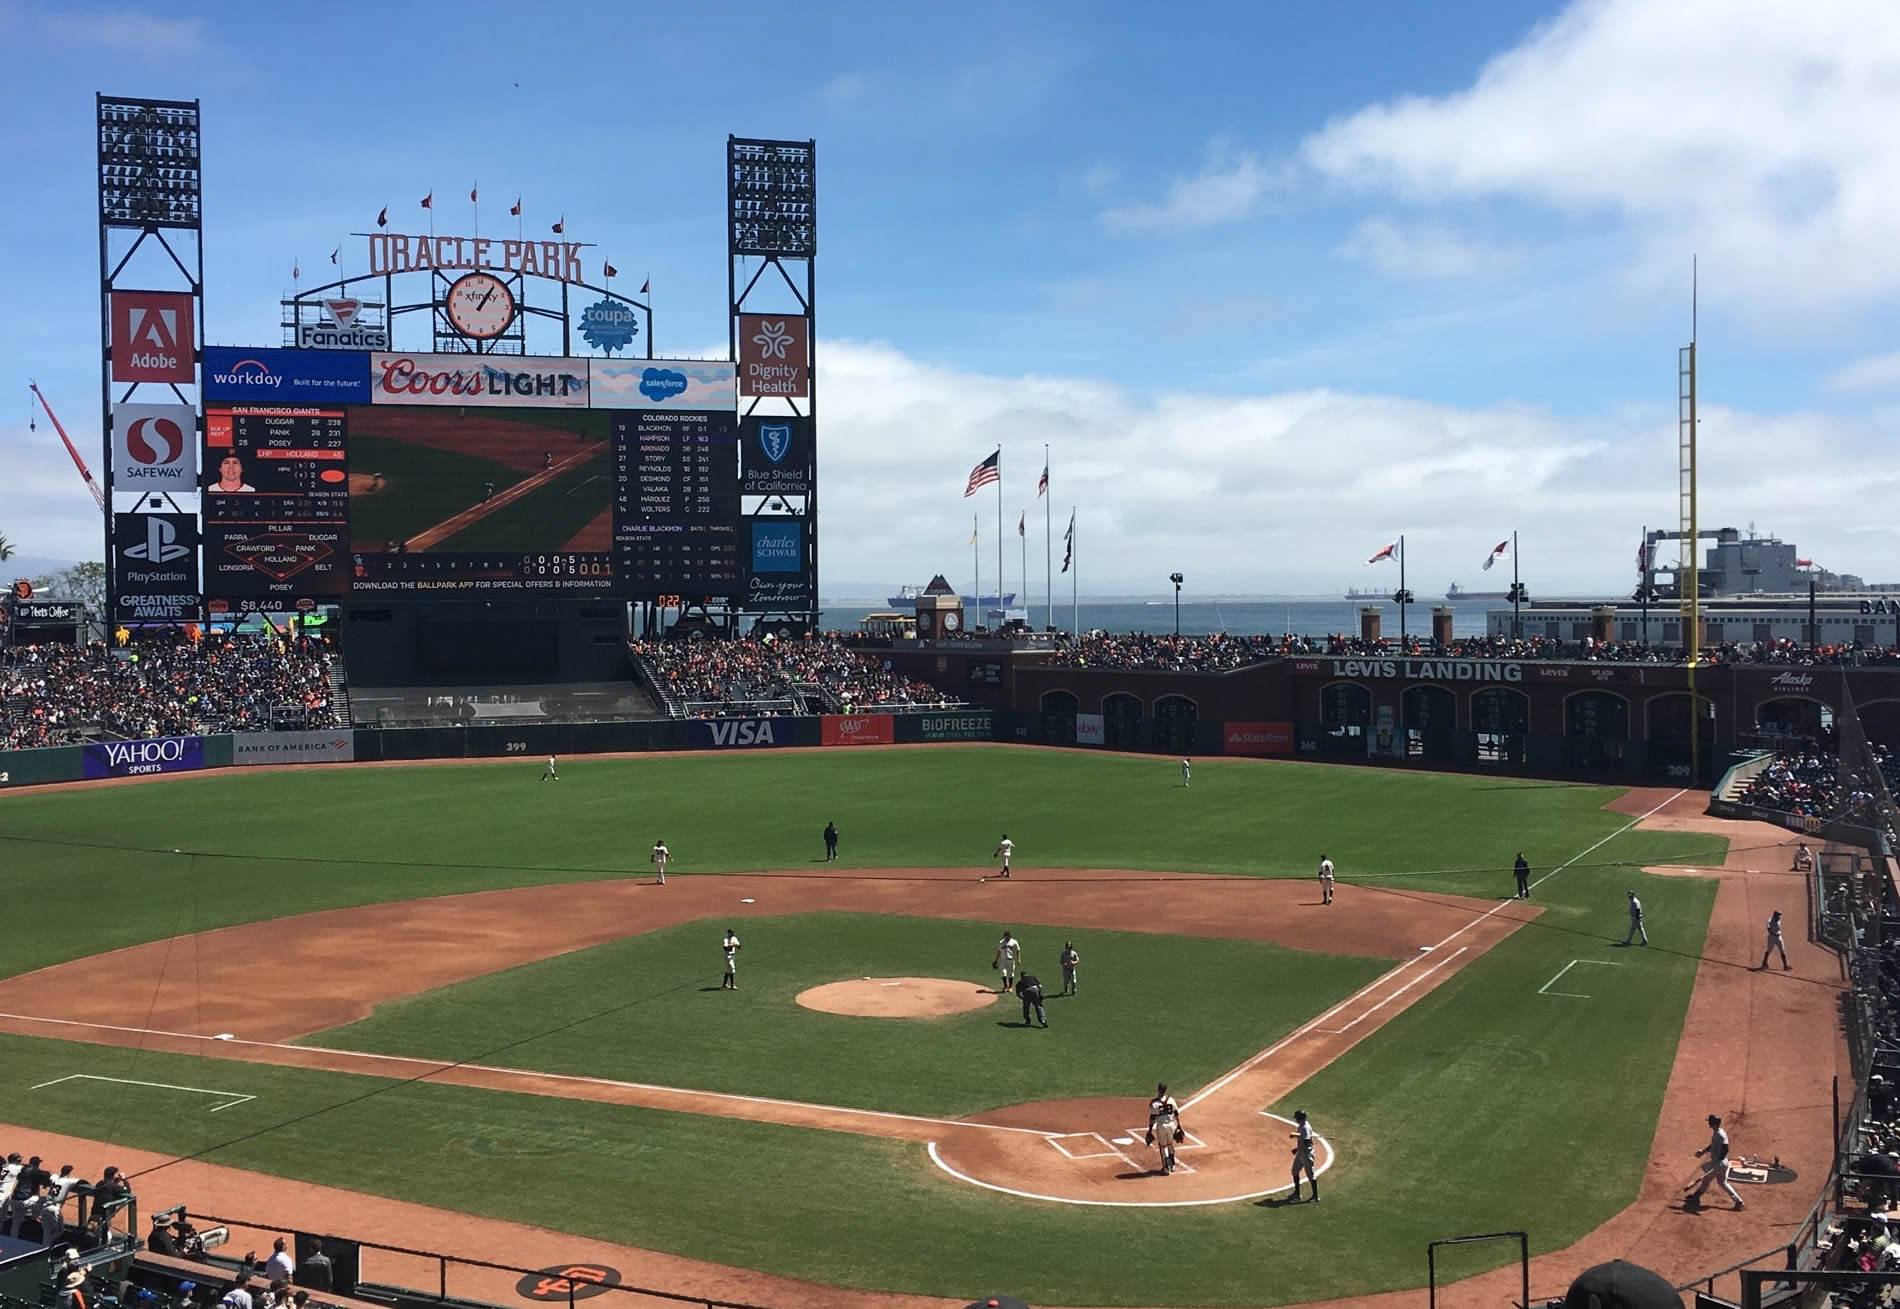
896	997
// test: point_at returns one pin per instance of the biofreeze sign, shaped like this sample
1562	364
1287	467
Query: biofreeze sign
1440	670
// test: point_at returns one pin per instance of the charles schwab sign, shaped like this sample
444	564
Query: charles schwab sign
1436	670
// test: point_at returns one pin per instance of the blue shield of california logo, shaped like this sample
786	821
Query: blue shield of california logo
775	439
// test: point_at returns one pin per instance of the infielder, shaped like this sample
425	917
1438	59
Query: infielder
549	775
1008	952
1774	942
659	857
731	946
1070	960
1302	1135
1636	921
1005	850
1325	880
1164	1125
1186	771
1716	1169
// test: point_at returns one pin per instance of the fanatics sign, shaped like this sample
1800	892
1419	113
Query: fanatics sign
154	337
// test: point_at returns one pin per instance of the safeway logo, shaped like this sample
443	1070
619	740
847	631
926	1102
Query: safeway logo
154	441
153	337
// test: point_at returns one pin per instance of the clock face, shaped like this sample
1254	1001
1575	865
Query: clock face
480	305
952	621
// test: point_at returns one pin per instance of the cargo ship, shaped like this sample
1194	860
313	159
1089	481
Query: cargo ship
1457	592
906	598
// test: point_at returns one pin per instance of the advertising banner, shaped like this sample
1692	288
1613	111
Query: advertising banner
775	575
775	455
154	337
661	384
969	725
163	754
774	354
737	733
857	729
489	381
155	567
1088	729
154	447
1258	738
335	746
263	376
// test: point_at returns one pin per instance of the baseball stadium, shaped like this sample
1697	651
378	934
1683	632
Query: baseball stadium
479	875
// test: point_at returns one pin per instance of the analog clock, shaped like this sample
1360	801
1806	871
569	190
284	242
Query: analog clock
952	620
480	305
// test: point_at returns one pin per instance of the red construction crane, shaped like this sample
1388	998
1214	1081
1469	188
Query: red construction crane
85	474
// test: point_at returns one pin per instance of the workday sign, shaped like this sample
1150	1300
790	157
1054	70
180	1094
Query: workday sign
164	754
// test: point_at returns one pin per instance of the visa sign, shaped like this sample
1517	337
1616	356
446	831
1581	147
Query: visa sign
740	733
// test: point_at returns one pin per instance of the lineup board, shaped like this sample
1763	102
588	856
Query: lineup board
276	503
676	503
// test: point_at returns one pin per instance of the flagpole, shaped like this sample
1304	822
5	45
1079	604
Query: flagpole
1075	571
976	565
999	534
1022	534
1517	593
1048	550
1401	596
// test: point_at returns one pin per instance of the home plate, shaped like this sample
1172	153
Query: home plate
1123	1140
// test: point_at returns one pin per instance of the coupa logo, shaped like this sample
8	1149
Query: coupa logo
775	439
662	383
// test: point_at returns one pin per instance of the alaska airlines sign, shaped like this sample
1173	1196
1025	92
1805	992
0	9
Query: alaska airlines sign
1435	670
391	252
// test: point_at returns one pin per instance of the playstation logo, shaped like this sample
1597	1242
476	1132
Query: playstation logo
160	545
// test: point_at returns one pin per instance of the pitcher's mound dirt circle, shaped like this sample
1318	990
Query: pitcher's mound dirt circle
896	997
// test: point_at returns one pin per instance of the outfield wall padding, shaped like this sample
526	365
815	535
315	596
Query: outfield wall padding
59	763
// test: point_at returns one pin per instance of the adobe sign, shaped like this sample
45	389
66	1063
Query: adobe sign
154	338
774	354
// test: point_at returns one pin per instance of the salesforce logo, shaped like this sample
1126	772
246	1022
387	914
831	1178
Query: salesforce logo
662	383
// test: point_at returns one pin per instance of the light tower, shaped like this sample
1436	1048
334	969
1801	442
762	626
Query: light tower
1689	574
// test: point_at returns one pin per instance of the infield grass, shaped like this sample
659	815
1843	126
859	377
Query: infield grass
1486	1105
424	486
546	518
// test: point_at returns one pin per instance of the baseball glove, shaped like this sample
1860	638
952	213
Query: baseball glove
1179	1136
995	964
1149	1139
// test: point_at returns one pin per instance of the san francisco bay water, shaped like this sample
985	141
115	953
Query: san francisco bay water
1237	616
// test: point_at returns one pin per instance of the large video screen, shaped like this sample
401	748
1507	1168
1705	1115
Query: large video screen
453	499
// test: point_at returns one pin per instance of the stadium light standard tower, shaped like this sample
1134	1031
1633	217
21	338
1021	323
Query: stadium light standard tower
1177	579
1688	577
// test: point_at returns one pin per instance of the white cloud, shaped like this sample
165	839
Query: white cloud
1874	373
1765	145
1230	187
1420	251
138	33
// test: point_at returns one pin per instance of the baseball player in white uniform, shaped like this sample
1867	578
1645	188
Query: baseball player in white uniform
1302	1135
1636	921
659	857
1325	880
731	946
1774	942
1186	772
1716	1169
1009	951
1005	850
1164	1125
548	774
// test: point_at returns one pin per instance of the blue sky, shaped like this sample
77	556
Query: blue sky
1276	282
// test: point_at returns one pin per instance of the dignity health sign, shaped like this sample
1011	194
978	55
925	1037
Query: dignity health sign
164	754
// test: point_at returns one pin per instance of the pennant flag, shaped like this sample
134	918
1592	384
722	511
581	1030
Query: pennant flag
646	286
1496	552
382	219
1068	538
471	194
334	253
1020	523
296	271
516	211
1642	556
990	470
973	532
428	201
560	224
1389	551
1804	563
610	269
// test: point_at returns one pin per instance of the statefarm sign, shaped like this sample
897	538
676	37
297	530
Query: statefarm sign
392	252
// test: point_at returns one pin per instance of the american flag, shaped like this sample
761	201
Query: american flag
990	470
1043	484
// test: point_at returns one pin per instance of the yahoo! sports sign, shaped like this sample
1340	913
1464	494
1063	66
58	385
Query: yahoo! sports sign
164	754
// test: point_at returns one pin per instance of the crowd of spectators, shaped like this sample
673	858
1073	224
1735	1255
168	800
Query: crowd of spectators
40	1204
1809	783
173	685
732	674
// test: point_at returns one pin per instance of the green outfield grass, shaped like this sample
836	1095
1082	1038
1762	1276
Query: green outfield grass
546	518
663	1018
424	487
1486	1105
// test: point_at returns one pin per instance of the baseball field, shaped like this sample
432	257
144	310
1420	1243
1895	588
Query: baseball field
458	987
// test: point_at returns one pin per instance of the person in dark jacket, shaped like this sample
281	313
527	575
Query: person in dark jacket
1029	991
316	1270
1523	871
831	842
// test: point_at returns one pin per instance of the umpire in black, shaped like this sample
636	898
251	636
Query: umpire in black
831	842
1523	871
1029	991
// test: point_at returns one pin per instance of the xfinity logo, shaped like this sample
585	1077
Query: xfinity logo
160	545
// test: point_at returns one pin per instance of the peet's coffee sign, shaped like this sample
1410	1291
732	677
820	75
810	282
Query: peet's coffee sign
1438	670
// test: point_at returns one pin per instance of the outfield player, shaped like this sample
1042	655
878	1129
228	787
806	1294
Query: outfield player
1186	771
1636	921
1774	942
1716	1169
1070	960
659	857
1164	1125
1325	880
1302	1135
731	946
1008	952
548	774
1005	850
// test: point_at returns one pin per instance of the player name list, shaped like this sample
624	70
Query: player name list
286	535
676	502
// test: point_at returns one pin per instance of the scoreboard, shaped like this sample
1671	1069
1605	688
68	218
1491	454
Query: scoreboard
276	504
676	503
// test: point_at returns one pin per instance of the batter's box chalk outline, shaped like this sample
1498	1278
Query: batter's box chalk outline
1574	995
231	1098
1190	1141
1106	1152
